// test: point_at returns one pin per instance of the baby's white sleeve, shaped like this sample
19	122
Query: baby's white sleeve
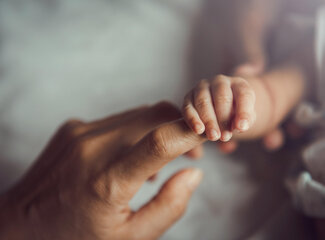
308	188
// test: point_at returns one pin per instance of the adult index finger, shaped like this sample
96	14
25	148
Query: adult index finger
151	153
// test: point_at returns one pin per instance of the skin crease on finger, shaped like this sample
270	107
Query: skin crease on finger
83	191
223	104
219	103
272	102
204	106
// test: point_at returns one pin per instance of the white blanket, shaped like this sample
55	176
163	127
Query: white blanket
88	59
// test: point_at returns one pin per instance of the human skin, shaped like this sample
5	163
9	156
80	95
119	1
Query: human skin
251	21
248	25
250	106
80	186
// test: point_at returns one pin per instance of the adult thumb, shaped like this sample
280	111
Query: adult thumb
154	218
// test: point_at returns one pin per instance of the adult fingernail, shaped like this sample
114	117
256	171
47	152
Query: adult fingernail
226	136
195	178
213	135
243	125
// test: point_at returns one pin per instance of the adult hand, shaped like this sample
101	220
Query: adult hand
81	185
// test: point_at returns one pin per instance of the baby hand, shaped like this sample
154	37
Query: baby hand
220	106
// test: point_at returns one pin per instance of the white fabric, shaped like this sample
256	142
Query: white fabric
308	188
320	53
88	59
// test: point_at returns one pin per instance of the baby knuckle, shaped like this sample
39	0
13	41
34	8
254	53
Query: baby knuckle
248	95
202	82
188	113
242	87
245	115
206	118
220	79
201	86
192	121
198	90
240	80
210	123
186	108
202	102
223	98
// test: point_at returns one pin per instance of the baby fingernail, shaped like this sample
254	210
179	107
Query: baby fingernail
199	128
243	125
213	135
226	136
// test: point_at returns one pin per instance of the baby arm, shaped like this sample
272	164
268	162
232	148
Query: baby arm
248	107
277	92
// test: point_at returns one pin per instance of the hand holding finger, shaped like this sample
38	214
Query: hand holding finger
150	154
223	104
204	106
191	116
90	171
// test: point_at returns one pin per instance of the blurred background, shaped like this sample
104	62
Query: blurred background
89	59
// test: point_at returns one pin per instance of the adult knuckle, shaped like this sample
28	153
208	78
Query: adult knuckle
157	143
71	128
106	188
83	147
